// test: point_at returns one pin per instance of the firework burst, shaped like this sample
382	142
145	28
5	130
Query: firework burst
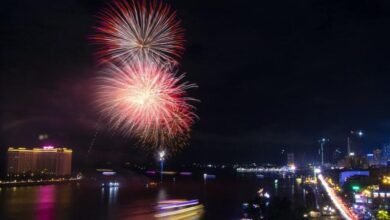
139	30
146	99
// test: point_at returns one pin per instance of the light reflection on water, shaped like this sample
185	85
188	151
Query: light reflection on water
45	202
109	195
221	199
112	195
161	195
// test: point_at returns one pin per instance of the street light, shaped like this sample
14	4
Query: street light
161	155
316	170
357	133
322	142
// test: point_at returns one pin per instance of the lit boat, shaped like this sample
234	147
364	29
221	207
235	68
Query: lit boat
179	209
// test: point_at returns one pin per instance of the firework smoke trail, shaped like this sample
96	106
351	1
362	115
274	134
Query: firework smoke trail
139	30
93	139
148	100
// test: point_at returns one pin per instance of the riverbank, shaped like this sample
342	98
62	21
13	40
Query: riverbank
38	182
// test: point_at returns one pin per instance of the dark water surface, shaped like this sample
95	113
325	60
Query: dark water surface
222	198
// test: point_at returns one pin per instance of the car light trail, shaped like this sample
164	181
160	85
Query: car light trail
338	203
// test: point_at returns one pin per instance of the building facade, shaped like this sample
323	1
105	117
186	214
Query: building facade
43	161
386	152
377	157
290	159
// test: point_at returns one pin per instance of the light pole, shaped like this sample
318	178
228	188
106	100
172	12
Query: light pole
358	133
161	155
322	142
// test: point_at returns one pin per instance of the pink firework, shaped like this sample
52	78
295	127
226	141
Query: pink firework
139	30
147	100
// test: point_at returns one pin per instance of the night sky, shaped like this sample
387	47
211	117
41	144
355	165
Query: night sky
272	75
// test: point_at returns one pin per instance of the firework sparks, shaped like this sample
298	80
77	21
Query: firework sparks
148	100
139	30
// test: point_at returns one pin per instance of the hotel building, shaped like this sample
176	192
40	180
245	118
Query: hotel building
44	161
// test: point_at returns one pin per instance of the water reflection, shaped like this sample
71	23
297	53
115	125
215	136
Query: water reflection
276	181
45	205
292	189
162	194
221	198
179	209
171	209
110	194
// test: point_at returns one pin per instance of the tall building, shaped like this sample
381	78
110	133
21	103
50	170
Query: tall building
47	161
290	159
355	162
386	152
370	159
377	156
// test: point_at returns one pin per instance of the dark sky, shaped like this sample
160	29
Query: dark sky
272	75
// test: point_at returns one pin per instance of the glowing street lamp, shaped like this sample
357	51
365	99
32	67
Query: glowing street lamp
161	155
292	167
316	171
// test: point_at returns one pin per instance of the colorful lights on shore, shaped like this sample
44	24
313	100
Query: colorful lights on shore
43	149
48	147
386	180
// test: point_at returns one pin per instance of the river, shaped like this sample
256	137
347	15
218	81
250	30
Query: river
222	198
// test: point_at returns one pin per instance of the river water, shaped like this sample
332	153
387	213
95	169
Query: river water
222	198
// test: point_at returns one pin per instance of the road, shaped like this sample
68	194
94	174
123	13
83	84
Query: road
336	200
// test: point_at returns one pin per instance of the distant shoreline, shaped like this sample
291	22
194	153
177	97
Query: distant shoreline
38	182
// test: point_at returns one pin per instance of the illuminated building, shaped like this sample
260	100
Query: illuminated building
290	159
370	159
343	177
47	161
386	152
377	156
355	161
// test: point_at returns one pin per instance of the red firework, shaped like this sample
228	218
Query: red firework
146	99
139	30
